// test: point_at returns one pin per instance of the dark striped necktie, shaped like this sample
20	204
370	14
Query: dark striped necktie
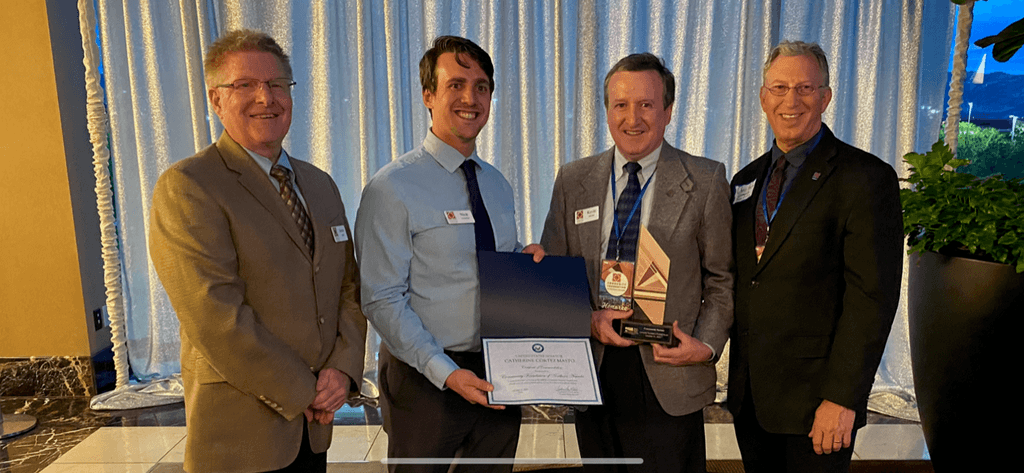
291	199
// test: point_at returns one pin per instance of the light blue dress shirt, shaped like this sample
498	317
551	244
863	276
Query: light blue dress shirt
420	287
285	161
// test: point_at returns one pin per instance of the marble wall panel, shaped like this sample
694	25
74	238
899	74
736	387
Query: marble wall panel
47	376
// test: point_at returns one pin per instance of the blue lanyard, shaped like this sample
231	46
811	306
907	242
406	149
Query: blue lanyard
636	205
764	197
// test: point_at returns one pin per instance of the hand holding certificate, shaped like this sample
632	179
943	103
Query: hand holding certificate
535	325
541	371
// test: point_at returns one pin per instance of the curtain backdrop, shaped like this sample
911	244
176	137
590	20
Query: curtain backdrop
358	101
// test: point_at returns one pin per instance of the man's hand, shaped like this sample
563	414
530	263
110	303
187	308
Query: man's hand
833	427
601	327
331	393
689	351
319	416
536	250
470	387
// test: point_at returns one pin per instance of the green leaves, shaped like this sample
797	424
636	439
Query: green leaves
1007	42
960	214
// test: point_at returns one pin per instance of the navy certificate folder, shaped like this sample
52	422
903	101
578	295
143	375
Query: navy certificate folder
523	299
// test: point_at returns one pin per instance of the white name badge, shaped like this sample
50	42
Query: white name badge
339	233
456	217
586	215
744	192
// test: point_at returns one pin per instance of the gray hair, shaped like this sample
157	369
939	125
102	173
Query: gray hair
798	48
238	41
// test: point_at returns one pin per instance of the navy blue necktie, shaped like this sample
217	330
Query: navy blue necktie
482	227
624	247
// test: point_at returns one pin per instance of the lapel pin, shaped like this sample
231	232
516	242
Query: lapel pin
815	176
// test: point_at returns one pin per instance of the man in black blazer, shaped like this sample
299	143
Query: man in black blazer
818	261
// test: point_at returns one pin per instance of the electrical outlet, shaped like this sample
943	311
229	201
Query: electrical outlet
97	319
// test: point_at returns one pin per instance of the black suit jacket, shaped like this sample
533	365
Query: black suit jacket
813	316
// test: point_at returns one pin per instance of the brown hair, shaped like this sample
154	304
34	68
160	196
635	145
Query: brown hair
459	46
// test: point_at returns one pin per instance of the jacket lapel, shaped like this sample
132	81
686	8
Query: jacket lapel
671	193
593	190
808	181
311	188
253	179
744	214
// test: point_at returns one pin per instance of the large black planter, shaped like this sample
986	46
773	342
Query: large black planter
966	358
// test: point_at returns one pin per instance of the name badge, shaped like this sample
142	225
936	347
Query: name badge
744	192
340	234
586	215
456	217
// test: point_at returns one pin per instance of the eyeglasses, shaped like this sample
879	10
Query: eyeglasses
805	89
280	87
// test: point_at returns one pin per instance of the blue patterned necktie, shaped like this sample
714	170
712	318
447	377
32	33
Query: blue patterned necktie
482	227
624	247
291	199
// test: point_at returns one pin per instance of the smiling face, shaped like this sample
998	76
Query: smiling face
461	104
636	113
794	118
259	120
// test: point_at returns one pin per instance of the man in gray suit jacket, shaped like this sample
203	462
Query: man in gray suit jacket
253	249
654	394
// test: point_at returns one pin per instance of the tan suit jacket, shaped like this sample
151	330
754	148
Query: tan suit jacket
692	222
259	317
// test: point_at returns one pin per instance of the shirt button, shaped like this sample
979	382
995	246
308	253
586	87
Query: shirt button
754	284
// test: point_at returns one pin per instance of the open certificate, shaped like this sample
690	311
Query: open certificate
541	371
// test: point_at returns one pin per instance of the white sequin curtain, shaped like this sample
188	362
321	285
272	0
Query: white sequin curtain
358	101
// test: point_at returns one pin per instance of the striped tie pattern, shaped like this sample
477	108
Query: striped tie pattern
291	199
624	247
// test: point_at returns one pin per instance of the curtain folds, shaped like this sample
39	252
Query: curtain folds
358	102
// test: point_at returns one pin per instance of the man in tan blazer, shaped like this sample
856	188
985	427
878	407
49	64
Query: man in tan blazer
653	394
253	249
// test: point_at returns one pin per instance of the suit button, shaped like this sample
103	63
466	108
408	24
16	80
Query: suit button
312	369
321	320
316	269
754	284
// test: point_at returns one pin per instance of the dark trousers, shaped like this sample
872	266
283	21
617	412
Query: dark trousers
763	451
632	424
423	421
306	461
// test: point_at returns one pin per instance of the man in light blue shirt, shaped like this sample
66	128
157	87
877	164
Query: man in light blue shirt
421	221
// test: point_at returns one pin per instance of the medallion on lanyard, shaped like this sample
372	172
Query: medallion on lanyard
615	288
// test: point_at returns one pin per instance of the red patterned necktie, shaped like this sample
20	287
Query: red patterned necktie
291	199
771	199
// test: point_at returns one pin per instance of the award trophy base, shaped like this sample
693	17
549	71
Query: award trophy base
645	333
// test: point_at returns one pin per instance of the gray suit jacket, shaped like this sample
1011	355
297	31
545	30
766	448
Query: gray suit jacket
259	317
692	222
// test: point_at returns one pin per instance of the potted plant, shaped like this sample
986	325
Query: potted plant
966	285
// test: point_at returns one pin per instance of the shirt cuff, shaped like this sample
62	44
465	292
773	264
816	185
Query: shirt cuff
713	354
438	369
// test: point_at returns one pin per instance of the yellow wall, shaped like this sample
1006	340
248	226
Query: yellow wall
41	291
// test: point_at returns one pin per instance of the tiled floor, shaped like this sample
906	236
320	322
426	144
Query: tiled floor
153	441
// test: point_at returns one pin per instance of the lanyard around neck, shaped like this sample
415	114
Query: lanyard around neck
636	205
764	195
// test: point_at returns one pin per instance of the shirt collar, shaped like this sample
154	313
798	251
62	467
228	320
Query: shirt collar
647	163
797	156
265	163
445	155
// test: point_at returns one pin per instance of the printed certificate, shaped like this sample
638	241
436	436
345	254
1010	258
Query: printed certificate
541	371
